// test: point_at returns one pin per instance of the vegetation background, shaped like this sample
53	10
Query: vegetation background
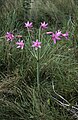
19	99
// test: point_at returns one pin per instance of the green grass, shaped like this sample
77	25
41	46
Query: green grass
18	91
57	14
19	97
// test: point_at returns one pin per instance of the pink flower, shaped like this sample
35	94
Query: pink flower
36	44
20	44
9	36
56	36
44	25
58	33
28	25
65	35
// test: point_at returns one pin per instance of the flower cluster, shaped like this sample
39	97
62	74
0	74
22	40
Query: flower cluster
57	35
20	44
28	25
9	36
36	44
44	25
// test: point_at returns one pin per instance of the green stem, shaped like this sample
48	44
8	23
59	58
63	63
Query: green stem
8	57
21	66
38	70
29	34
38	82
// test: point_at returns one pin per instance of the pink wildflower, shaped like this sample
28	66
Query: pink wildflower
36	44
58	33
44	25
20	44
65	35
56	36
9	36
28	25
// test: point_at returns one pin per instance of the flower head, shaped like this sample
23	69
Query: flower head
44	25
36	44
65	35
28	25
20	44
56	36
9	36
58	33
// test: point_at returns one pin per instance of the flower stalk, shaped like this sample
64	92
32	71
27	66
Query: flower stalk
38	83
